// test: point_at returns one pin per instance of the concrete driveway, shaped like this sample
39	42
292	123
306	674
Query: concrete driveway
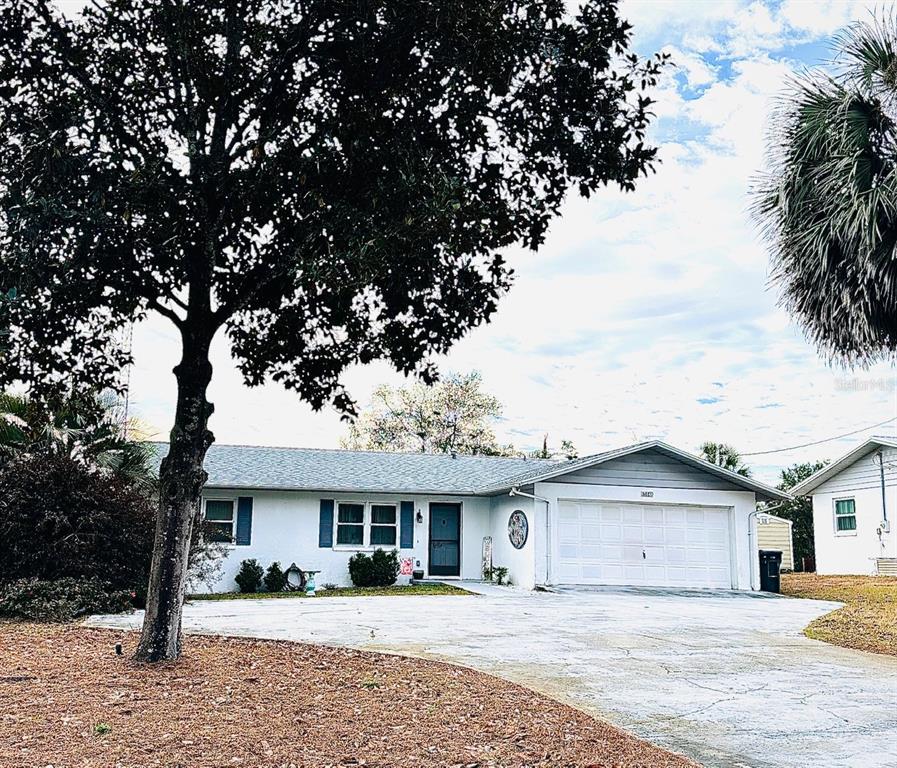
725	678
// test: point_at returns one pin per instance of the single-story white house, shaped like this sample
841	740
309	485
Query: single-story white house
648	514
854	506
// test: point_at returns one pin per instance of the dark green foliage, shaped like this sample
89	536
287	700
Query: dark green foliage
63	599
799	511
249	577
366	140
828	204
61	518
275	578
380	569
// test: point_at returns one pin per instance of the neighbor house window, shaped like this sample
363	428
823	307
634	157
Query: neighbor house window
220	519
350	524
845	516
383	525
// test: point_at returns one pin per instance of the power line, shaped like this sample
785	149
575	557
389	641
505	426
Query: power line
819	442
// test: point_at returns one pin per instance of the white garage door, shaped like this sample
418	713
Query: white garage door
649	545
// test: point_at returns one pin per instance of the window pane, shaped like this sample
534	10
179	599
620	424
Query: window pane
383	535
220	510
350	534
220	531
351	513
844	507
847	523
384	514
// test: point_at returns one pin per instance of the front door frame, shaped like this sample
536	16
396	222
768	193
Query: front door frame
460	507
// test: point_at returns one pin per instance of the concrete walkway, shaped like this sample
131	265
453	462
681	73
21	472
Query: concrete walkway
725	678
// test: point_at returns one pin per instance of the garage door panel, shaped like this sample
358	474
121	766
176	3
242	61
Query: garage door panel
674	516
612	532
651	545
633	534
674	535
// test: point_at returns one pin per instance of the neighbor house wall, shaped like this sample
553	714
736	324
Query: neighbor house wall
285	529
855	552
519	562
742	530
776	535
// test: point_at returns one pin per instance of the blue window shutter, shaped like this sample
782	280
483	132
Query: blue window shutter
407	525
325	527
244	520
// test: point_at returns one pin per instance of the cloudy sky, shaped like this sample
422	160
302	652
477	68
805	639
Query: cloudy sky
646	315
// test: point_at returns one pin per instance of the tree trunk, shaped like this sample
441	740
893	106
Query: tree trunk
181	478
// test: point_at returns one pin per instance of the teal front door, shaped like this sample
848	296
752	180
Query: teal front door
445	539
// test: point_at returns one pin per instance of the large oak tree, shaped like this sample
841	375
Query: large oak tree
329	182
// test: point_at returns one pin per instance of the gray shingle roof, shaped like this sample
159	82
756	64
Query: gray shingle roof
315	469
325	469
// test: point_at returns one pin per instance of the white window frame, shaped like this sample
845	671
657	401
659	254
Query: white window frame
366	504
233	521
835	516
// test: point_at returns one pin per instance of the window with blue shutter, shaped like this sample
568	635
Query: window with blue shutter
407	525
325	524
244	521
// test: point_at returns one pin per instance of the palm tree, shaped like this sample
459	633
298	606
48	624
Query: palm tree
724	456
828	205
88	427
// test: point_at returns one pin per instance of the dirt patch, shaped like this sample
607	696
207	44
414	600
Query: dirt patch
867	622
67	700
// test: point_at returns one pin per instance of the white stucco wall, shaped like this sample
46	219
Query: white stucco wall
519	562
285	529
742	526
853	552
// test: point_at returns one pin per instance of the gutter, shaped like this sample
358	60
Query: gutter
517	492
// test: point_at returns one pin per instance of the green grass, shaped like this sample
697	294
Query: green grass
394	591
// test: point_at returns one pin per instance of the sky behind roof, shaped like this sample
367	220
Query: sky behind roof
645	315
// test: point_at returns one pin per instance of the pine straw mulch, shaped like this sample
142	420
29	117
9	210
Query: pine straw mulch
868	620
67	700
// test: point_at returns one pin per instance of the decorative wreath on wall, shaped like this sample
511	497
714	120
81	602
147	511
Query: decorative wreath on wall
518	529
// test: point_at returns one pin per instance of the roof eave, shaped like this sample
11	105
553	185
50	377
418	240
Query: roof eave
806	487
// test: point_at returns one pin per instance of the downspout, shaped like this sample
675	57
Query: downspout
754	547
518	492
884	505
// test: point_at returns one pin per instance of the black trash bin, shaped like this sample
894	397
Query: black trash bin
770	565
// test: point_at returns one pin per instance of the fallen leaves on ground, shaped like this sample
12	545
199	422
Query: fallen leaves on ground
66	699
868	620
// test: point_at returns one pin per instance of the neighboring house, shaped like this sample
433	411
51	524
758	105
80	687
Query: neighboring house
854	508
648	514
775	533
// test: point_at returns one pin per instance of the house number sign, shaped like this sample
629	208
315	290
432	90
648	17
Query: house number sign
518	529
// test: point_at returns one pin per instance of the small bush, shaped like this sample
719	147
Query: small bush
498	574
381	569
249	577
275	578
61	600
